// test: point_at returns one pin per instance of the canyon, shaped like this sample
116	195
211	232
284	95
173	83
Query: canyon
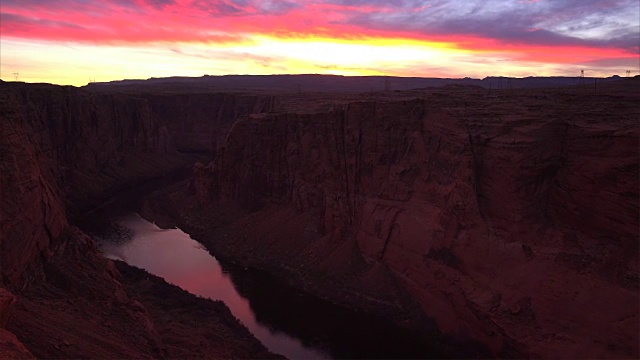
495	223
64	152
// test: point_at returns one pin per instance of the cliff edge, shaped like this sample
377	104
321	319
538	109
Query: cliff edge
65	151
510	217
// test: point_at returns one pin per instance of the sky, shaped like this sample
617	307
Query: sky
73	42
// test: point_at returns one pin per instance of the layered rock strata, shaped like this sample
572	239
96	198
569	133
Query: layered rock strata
511	218
63	151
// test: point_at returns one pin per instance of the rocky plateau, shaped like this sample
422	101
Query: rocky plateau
497	223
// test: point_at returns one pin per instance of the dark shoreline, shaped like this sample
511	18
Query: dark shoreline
175	310
418	330
257	285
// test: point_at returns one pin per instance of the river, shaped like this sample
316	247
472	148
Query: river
286	321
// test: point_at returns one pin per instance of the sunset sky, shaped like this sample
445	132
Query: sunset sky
73	41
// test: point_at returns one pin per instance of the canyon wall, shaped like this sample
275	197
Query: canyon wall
69	149
512	218
65	151
91	145
509	219
200	122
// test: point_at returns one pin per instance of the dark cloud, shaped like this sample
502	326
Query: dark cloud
241	2
618	63
218	8
275	7
611	23
378	3
19	20
245	7
596	23
159	4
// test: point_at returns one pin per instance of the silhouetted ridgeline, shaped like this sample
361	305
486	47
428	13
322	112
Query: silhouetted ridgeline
332	83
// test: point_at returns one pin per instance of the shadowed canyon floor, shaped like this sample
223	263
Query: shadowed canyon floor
495	223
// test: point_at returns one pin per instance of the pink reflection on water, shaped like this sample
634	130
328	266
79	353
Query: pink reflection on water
182	261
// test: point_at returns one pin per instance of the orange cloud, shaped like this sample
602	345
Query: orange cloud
367	37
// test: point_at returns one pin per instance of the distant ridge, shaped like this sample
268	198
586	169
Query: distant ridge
339	83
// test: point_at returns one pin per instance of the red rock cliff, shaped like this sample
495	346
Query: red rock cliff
199	122
33	214
69	149
510	218
64	150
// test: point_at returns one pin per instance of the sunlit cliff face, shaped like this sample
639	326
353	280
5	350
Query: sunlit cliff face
73	41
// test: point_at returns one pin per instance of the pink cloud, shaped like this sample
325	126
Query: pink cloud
232	21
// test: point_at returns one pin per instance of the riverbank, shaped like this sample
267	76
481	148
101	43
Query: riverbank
90	308
237	237
194	327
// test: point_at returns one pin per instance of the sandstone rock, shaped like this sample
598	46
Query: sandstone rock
32	210
11	348
64	151
512	219
517	197
200	122
7	301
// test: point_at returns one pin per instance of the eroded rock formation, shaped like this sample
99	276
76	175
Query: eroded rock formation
507	221
511	219
200	122
65	150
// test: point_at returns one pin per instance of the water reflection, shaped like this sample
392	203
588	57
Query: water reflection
345	333
182	261
285	320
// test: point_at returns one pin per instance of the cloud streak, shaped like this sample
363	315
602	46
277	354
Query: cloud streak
574	32
602	23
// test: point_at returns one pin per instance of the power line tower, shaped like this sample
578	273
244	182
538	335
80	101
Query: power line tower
16	75
628	73
581	76
387	84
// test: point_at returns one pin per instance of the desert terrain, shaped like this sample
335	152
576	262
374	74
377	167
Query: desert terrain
492	221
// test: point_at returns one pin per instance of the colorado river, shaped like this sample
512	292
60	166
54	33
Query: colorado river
285	320
182	261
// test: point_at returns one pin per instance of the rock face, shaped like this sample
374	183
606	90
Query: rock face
10	347
511	219
68	150
92	144
201	122
7	300
63	151
33	215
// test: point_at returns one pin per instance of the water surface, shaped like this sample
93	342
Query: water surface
182	261
285	320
